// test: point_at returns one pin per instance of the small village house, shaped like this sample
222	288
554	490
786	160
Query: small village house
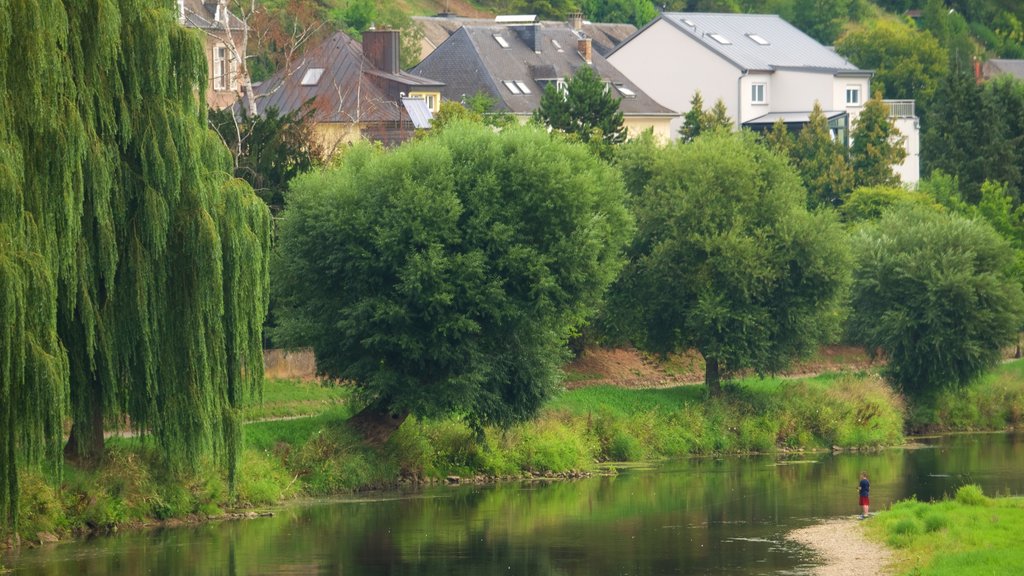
762	68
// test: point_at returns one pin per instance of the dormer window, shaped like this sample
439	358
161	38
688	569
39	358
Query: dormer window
312	76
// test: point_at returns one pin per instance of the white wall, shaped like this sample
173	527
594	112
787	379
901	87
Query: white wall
670	66
910	170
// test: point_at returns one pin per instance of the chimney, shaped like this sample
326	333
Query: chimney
583	45
381	48
530	35
576	21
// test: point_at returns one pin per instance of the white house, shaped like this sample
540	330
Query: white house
760	66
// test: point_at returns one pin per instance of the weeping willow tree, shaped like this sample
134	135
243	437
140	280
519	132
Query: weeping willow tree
133	268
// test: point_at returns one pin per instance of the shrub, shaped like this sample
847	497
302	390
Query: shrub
971	495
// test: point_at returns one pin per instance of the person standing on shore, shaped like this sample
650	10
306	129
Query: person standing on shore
864	489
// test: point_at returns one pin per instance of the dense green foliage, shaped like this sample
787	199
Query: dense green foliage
728	261
968	534
446	275
586	108
134	273
821	160
936	293
269	149
908	63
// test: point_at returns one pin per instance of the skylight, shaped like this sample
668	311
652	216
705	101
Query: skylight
557	45
719	38
625	91
689	23
512	87
759	39
501	41
523	87
312	76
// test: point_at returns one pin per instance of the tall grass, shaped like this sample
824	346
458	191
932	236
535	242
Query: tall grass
967	535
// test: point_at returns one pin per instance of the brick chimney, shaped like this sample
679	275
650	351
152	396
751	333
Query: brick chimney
576	21
583	45
381	48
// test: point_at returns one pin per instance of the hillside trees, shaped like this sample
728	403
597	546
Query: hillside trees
134	275
936	293
446	276
908	64
727	260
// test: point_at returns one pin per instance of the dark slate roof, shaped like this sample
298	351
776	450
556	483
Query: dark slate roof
350	89
202	15
605	36
787	47
995	67
471	60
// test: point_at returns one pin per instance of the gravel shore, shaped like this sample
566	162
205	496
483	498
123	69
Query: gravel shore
843	549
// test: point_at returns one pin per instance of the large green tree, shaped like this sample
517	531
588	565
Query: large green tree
133	273
909	64
936	293
446	276
585	108
728	261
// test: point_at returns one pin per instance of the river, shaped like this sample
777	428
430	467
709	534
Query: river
699	516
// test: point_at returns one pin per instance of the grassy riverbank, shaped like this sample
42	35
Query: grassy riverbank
969	534
301	447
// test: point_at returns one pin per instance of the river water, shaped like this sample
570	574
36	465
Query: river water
699	516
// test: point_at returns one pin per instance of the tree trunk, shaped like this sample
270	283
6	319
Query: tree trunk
712	377
85	444
376	424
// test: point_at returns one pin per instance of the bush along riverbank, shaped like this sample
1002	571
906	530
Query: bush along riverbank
966	535
302	448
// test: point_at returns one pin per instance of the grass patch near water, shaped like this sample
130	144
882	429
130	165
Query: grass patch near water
970	534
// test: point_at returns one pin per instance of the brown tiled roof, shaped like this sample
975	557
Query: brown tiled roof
350	88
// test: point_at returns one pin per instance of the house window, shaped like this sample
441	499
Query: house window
220	67
224	77
853	95
759	93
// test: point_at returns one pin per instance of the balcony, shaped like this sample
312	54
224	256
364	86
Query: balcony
900	108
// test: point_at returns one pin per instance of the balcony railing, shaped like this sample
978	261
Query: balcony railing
900	108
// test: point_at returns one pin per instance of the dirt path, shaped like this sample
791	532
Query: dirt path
844	549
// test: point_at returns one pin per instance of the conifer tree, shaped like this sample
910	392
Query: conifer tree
586	108
877	146
133	269
692	120
717	118
822	162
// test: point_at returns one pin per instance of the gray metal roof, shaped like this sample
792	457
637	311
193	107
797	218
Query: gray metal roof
418	112
472	61
787	47
792	117
996	67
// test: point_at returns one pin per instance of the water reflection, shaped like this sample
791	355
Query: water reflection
707	516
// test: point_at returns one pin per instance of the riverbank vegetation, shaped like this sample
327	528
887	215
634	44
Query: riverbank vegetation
964	535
